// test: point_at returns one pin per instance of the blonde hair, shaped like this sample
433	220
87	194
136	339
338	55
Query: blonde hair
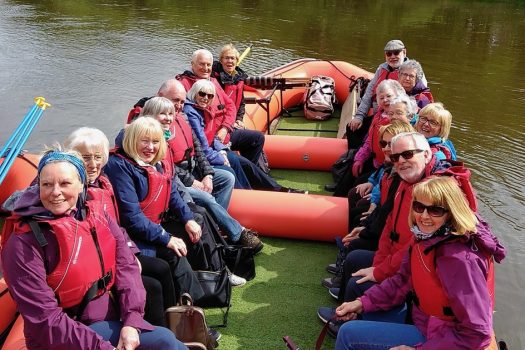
145	126
90	138
229	48
394	128
442	116
445	191
157	105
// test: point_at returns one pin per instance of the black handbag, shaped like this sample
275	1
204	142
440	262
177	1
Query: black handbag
217	291
240	260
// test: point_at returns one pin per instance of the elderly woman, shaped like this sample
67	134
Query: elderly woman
434	123
402	108
448	270
93	145
179	141
369	156
146	194
61	306
205	125
411	78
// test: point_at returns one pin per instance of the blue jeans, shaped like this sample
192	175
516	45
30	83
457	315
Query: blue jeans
235	168
223	182
158	339
229	225
373	335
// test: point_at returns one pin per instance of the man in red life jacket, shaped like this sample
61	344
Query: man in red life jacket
248	142
395	55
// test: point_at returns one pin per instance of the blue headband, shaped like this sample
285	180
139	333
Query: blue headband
55	156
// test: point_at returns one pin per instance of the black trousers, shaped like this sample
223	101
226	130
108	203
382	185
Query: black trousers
248	142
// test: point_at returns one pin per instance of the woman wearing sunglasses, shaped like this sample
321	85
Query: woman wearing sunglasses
434	123
205	125
448	271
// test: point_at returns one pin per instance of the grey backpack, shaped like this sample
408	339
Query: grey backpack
320	98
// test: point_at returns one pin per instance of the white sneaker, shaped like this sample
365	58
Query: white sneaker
236	281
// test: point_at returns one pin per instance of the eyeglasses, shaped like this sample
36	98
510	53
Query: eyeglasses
433	123
89	157
406	75
393	52
203	94
432	210
394	157
398	113
384	143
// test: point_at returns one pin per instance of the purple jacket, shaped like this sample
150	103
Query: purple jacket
460	267
46	325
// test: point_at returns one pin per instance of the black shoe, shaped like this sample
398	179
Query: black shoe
333	328
214	334
332	282
330	187
332	268
292	190
249	238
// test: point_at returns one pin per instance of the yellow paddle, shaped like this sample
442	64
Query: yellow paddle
244	54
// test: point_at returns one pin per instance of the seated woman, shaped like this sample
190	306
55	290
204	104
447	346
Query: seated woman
197	109
411	78
61	306
179	142
434	123
231	78
402	108
369	156
449	269
146	195
93	145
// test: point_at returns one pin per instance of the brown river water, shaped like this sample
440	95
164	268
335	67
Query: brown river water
93	59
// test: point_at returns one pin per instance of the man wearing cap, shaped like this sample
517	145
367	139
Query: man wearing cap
395	55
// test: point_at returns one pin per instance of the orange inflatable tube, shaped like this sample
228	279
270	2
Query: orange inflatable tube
15	340
8	314
300	152
22	172
291	215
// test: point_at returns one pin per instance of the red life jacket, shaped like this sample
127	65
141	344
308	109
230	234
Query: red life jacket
183	140
431	298
81	244
156	203
383	75
426	94
222	109
462	176
234	91
440	147
105	195
373	135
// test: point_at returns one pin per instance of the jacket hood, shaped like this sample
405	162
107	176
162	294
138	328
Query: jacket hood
418	88
28	203
483	240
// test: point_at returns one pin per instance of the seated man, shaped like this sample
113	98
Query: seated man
224	112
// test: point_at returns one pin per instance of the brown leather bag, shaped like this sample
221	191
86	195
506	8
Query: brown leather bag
189	324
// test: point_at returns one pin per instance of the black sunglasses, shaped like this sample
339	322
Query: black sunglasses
393	52
432	210
384	143
394	157
203	94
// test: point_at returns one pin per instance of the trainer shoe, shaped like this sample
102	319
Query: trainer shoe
333	328
332	282
236	281
330	187
334	292
325	313
249	239
332	268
